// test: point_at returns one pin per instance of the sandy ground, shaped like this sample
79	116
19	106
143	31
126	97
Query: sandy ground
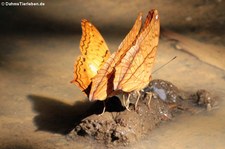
37	51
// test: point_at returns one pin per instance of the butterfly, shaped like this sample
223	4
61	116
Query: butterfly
129	69
94	52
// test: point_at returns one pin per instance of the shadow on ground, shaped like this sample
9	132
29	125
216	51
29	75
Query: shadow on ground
17	145
58	117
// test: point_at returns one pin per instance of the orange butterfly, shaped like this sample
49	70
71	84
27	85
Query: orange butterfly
94	52
129	69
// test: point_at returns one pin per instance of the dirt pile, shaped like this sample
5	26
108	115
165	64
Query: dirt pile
118	126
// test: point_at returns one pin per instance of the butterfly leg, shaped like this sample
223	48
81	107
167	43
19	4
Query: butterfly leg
149	94
126	101
139	95
103	111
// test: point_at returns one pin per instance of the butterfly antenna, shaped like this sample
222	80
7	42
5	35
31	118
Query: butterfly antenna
164	64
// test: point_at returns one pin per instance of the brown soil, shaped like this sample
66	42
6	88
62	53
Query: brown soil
118	126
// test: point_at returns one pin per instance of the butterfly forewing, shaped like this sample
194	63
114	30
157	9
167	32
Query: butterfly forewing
134	71
93	48
94	52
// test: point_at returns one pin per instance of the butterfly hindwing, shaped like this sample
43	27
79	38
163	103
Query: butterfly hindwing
81	78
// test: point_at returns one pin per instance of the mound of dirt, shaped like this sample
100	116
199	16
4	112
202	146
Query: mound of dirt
118	126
